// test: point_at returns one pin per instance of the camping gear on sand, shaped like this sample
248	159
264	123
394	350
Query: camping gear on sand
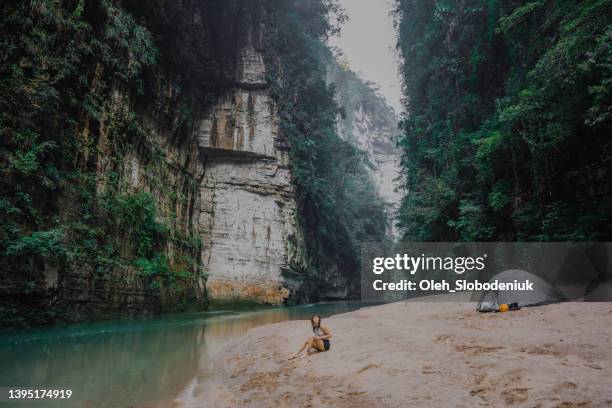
542	293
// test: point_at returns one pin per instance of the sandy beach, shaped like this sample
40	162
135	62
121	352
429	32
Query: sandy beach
422	354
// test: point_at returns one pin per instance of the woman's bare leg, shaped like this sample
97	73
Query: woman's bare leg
318	344
308	344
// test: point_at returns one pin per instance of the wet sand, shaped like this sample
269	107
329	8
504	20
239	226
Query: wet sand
423	354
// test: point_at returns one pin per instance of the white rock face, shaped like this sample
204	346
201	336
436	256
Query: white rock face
242	121
251	67
378	141
248	220
374	131
252	215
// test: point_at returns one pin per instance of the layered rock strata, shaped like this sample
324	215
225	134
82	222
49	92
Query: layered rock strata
248	217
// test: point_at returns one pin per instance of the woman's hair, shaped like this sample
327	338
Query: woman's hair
312	321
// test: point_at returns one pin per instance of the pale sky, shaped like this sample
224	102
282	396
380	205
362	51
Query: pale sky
368	43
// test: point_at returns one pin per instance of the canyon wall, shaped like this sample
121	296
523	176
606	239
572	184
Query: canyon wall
154	176
129	183
146	201
166	165
371	125
248	218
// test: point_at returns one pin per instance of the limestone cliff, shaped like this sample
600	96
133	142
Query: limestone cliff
248	218
371	125
168	169
240	193
146	170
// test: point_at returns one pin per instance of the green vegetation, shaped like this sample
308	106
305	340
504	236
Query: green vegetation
45	95
507	135
338	204
72	75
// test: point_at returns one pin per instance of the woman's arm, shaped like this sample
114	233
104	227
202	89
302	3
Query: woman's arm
327	333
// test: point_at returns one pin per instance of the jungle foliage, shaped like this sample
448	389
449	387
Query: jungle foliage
62	65
508	124
338	203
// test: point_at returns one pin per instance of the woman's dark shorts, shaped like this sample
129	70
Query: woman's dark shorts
326	344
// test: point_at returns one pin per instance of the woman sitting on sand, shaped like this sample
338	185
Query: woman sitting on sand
320	340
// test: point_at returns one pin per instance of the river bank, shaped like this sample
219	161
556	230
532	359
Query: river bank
140	362
422	354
